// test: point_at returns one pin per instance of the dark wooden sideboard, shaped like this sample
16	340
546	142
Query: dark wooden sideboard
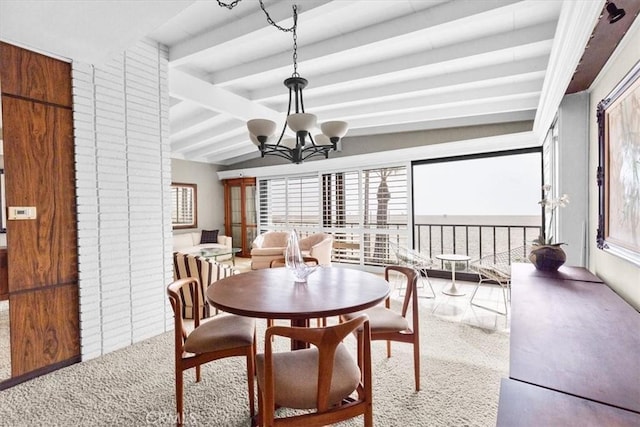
574	352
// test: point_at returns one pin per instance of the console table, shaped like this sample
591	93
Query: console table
574	351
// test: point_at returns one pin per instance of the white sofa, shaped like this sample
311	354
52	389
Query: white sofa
189	243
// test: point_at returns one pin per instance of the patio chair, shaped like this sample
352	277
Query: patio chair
414	259
496	268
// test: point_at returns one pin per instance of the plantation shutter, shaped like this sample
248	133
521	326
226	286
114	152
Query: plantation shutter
363	209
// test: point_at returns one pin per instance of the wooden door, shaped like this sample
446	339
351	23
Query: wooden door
40	173
240	212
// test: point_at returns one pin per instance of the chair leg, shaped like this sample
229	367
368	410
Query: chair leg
198	376
433	293
489	308
416	363
179	396
388	348
251	378
260	416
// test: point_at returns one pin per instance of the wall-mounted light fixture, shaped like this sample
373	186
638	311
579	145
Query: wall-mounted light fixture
615	13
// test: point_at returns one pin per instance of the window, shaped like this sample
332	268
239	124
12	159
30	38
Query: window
184	206
363	209
477	204
290	203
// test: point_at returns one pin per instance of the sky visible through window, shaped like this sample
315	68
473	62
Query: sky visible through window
503	185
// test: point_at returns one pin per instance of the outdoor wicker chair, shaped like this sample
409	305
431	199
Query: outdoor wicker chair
411	258
496	268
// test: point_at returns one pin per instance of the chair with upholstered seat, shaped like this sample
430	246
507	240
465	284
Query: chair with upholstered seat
324	378
206	271
389	325
221	336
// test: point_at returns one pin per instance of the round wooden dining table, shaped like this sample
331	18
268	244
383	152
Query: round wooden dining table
271	293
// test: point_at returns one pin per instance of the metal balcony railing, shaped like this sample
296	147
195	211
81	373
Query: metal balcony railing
475	241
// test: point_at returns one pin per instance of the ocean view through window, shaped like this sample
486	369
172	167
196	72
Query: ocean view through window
477	205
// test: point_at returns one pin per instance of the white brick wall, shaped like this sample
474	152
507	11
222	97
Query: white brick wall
123	177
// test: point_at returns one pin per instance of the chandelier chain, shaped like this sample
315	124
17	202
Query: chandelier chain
295	41
272	22
229	6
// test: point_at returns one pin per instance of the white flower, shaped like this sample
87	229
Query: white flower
550	205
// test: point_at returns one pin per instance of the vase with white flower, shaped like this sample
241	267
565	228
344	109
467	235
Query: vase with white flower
546	254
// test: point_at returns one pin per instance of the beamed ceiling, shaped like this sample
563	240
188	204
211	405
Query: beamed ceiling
383	66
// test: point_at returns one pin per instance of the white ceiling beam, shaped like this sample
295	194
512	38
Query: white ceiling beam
537	40
453	122
525	70
187	87
195	120
248	28
212	135
393	31
221	146
514	103
424	100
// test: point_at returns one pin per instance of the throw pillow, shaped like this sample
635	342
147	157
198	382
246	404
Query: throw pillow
209	236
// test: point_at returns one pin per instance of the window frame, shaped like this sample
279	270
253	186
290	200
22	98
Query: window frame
192	221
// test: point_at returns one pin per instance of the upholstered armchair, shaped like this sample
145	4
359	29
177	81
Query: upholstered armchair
266	247
318	246
206	272
272	244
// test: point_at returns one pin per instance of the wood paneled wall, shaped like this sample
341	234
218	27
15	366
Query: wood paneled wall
40	172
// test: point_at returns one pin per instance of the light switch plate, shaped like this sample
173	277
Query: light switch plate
22	212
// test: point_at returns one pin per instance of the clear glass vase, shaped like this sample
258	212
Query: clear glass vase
294	261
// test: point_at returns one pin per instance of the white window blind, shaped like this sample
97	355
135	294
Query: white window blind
362	209
385	212
288	203
183	211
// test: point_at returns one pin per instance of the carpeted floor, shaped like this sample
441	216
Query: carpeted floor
461	371
5	346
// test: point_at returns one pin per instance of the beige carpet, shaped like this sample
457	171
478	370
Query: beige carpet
461	371
5	346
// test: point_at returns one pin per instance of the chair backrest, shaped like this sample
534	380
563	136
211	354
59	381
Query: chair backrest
206	272
326	340
411	293
176	291
271	239
280	262
500	262
318	245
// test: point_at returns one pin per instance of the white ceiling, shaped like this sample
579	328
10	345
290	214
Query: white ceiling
383	66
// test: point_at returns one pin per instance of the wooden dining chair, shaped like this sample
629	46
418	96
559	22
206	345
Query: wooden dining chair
324	378
389	325
224	335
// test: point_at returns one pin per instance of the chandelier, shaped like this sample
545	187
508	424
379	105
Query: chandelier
304	145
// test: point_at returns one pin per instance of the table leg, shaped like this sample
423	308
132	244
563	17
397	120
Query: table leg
453	290
301	323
